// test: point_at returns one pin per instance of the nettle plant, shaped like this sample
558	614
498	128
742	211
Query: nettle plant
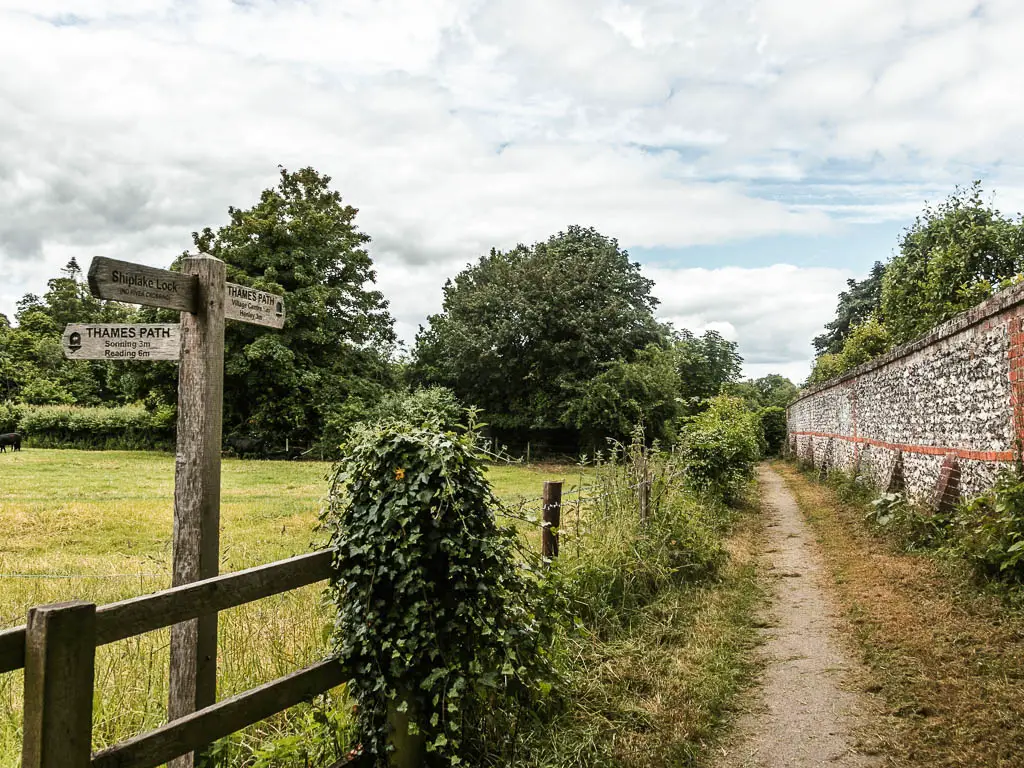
437	621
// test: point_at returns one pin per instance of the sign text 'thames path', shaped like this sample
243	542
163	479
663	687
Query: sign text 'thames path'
151	341
139	284
253	306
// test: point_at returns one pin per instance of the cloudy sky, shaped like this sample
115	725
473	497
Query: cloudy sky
751	154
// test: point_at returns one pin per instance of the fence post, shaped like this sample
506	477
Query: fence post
193	683
60	657
552	517
645	499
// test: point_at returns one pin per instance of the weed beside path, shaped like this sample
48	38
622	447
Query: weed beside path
663	693
947	658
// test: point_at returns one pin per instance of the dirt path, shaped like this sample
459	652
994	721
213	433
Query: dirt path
803	715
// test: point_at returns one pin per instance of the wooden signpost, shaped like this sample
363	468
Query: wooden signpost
204	298
252	306
139	284
153	341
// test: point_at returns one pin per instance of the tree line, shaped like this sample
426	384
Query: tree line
556	343
954	256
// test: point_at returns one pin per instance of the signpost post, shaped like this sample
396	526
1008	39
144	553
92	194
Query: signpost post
196	547
204	298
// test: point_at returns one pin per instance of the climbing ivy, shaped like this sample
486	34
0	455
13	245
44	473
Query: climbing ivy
436	622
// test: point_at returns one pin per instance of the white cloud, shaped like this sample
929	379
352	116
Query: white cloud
772	312
457	125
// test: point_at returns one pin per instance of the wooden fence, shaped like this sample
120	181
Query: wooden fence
57	650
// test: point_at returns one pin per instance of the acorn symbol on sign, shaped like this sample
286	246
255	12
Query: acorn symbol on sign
75	341
279	309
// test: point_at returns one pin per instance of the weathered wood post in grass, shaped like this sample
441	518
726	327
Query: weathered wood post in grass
204	299
196	548
644	492
551	517
60	653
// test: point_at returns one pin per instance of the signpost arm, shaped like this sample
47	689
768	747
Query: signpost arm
193	683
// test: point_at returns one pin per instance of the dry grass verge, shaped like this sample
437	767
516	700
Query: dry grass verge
947	658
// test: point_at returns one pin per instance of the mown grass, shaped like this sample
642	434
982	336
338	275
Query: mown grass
945	654
97	526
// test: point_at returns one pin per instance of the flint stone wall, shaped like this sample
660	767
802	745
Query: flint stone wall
953	397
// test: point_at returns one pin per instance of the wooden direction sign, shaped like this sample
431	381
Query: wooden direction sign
151	341
138	284
253	306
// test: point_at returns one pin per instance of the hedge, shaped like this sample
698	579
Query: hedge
128	427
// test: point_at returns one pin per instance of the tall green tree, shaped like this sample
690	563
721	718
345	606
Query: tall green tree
952	257
331	360
705	364
644	392
860	301
522	332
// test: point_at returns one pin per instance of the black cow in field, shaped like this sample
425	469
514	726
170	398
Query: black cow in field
12	439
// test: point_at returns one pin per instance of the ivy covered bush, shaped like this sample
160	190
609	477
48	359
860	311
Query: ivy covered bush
436	622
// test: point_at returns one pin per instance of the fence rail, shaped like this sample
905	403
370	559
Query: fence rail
137	615
57	649
194	731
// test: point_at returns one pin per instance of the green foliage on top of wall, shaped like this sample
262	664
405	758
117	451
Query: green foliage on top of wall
953	257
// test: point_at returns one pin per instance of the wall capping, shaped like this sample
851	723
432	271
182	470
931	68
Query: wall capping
997	304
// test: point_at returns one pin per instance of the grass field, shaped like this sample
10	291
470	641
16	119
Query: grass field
97	526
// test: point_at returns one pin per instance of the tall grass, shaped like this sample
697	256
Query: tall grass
97	526
655	644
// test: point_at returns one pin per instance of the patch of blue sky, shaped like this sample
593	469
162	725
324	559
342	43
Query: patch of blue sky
66	20
854	247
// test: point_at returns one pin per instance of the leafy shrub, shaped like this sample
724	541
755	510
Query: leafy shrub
912	526
10	416
990	529
886	508
45	392
437	624
129	427
721	446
